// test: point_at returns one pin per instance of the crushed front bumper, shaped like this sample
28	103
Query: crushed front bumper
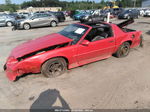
10	73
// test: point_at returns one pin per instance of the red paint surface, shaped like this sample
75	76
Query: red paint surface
75	54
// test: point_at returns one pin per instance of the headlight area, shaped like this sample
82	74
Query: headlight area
12	60
15	68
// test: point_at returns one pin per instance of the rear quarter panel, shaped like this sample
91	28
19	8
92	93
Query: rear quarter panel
122	37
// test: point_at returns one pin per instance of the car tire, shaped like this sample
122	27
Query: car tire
128	17
53	24
9	24
123	50
26	26
54	67
105	19
89	20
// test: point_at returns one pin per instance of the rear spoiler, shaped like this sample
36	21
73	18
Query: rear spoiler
125	23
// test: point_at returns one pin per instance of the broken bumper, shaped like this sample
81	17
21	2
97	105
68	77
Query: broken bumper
11	75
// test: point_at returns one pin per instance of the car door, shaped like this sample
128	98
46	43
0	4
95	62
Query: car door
34	21
96	50
2	20
37	20
44	20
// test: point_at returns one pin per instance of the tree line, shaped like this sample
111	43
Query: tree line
73	5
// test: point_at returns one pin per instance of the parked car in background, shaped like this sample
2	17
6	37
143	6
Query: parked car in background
60	16
78	16
7	20
147	13
37	20
116	11
14	15
142	12
92	17
130	13
24	15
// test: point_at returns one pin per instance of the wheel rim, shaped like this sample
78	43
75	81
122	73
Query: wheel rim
55	69
53	24
90	19
124	50
26	26
9	24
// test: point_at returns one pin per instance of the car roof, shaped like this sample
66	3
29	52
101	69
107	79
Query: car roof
97	24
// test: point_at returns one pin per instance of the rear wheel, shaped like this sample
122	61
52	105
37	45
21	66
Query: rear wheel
54	67
128	17
9	24
26	26
123	50
53	24
90	20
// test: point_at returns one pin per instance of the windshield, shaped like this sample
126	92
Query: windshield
74	32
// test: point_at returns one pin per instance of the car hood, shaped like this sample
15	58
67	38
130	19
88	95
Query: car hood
39	44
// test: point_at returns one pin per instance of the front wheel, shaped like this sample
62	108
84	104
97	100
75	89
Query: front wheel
26	26
123	50
53	24
54	67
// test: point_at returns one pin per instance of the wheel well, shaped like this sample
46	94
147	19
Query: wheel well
26	23
9	21
53	21
67	61
130	42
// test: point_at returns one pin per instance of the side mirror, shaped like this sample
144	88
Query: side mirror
85	43
32	18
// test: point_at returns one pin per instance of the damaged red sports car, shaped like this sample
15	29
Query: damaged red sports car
75	45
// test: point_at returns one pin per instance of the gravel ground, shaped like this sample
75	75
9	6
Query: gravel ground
108	84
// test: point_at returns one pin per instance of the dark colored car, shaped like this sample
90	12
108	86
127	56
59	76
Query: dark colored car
127	14
60	16
116	11
78	16
92	17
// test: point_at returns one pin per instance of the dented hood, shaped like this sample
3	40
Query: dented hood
38	44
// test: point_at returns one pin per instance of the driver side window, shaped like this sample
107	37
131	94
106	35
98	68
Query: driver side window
98	34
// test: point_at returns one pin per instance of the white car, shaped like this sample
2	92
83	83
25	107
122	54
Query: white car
147	13
142	12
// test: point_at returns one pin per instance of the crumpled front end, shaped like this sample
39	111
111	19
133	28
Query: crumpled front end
11	69
15	68
11	74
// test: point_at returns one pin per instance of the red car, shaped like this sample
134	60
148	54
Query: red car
76	45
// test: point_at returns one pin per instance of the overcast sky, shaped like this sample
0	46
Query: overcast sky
21	1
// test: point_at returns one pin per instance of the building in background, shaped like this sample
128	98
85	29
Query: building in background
145	3
35	9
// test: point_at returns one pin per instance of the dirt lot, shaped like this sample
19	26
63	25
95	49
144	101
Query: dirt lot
109	84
